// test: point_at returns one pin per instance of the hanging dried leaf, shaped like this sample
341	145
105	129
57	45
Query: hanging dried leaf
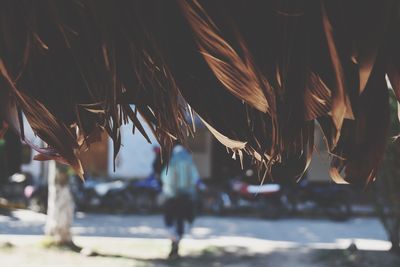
238	75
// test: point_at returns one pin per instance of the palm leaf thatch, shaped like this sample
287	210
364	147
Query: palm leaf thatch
260	74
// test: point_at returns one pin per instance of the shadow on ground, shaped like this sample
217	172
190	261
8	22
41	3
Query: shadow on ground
294	257
210	256
349	258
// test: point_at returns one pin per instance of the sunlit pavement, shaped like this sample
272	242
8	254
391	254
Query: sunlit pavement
366	233
133	240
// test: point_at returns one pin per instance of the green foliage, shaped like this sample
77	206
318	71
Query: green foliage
395	124
389	173
388	182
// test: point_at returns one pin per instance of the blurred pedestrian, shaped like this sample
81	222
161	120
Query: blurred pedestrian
158	164
179	180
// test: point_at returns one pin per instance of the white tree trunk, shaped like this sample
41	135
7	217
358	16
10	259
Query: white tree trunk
60	210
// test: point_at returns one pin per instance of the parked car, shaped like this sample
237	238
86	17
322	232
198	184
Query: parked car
13	189
241	193
95	195
331	200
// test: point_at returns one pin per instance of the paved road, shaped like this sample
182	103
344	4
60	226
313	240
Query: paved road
124	241
298	231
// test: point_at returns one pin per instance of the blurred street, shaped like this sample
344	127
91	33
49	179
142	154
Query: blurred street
296	231
221	241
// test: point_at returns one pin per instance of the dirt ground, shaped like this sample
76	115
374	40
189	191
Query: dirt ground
152	252
122	241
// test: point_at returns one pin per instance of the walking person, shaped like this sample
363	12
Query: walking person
158	164
179	180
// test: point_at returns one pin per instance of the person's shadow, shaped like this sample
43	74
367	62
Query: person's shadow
241	256
212	256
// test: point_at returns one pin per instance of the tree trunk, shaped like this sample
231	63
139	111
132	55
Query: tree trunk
60	209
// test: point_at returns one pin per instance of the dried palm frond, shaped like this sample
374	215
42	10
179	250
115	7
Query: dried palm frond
258	73
84	63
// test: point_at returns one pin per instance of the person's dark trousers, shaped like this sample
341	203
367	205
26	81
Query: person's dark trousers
177	210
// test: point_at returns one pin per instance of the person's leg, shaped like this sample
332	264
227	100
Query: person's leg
190	211
178	231
183	210
180	227
168	213
171	209
169	219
